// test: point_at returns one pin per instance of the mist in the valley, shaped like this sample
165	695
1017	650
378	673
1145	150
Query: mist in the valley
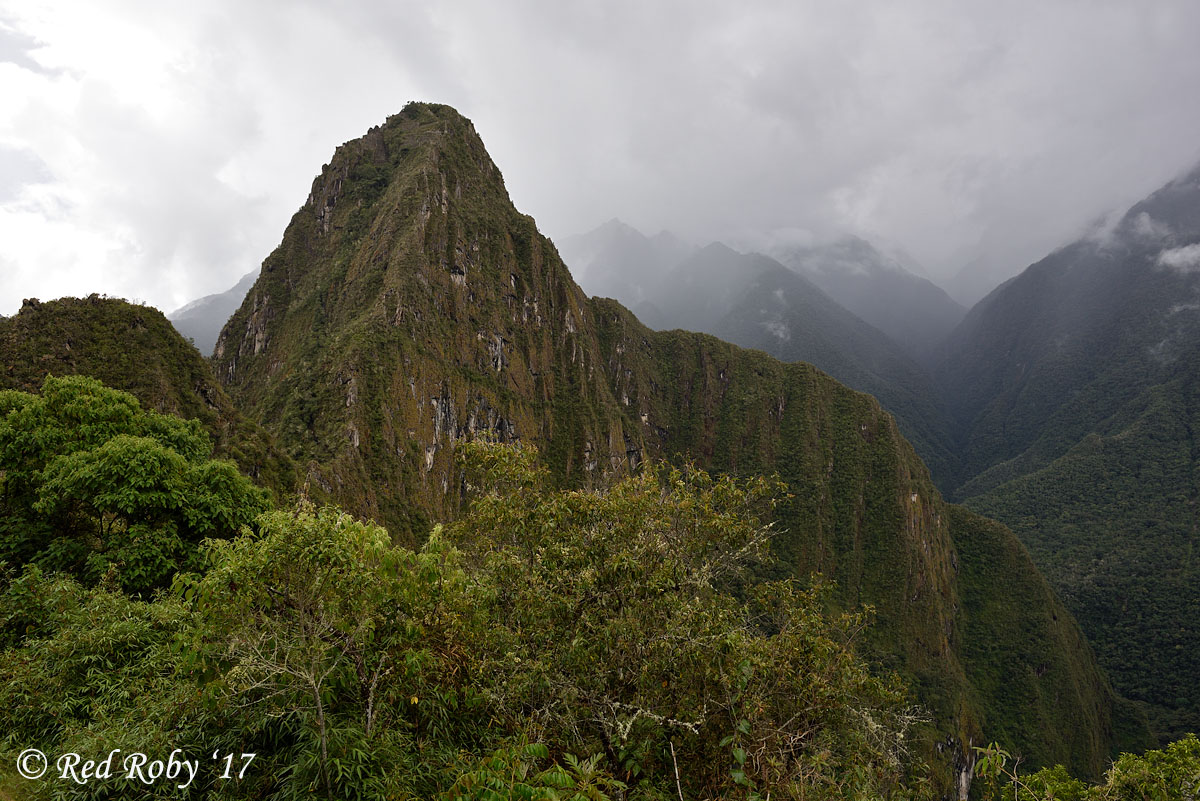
671	283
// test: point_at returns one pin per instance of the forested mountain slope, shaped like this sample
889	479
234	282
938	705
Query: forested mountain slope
1074	388
781	312
410	306
134	348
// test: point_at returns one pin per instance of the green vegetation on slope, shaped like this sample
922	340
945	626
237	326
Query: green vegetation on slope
549	644
1015	667
788	317
202	320
963	613
1112	523
410	307
1075	387
135	349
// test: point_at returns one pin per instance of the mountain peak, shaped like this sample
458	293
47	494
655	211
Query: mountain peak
617	225
717	250
411	306
408	256
880	288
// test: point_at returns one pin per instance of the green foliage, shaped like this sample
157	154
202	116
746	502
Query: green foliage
135	349
562	623
1160	775
1170	774
600	623
609	627
97	674
823	333
93	483
318	620
511	774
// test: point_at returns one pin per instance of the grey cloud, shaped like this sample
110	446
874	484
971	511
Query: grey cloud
970	135
976	137
16	48
19	167
1147	228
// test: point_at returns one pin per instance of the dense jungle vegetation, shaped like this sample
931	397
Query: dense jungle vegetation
573	644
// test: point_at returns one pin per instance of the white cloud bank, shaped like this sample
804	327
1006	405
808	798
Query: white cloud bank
1184	259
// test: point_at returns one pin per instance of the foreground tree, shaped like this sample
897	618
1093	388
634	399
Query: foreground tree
615	627
319	623
93	484
549	645
1168	774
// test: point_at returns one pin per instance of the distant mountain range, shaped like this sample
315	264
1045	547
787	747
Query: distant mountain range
882	289
618	261
758	302
202	319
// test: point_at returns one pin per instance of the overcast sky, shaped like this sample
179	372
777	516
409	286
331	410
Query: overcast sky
156	150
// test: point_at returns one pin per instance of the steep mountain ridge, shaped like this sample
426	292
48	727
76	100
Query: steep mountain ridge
788	317
753	300
1074	389
202	320
410	305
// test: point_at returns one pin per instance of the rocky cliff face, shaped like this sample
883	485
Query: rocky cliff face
410	305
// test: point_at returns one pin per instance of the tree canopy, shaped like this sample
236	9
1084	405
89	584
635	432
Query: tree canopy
550	644
92	484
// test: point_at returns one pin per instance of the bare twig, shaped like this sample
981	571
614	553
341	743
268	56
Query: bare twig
678	788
